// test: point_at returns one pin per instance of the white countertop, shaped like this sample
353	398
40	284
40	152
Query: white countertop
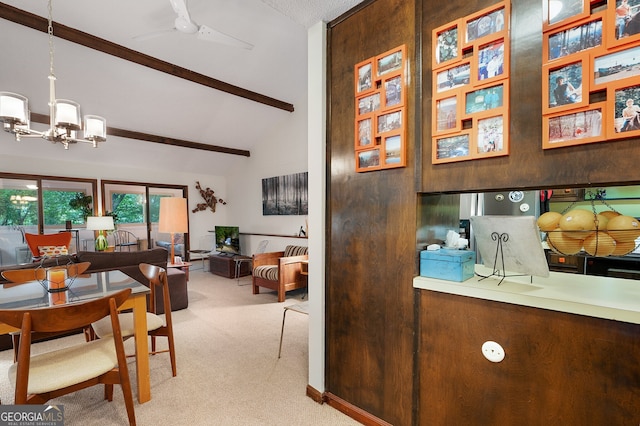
601	297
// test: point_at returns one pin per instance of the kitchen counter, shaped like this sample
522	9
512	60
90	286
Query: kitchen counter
601	297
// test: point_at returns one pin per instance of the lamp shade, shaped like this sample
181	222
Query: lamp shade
14	108
173	215
100	223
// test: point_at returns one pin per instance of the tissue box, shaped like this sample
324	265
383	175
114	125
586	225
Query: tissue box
446	264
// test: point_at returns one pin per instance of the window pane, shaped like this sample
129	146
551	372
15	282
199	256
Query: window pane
66	200
18	215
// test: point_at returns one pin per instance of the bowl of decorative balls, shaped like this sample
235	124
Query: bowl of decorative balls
606	233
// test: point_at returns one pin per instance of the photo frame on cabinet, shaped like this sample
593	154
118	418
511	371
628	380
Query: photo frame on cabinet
368	103
447	117
393	91
575	127
565	84
394	154
624	29
452	78
364	131
451	148
368	160
492	62
492	21
560	12
364	76
379	128
446	45
390	122
390	61
491	133
577	37
623	110
486	99
611	66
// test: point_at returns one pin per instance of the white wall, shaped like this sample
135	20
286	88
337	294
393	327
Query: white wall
36	156
317	205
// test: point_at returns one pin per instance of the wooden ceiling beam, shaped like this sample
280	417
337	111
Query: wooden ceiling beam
39	23
129	134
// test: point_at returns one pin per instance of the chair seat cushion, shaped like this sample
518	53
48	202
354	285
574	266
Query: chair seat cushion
68	366
267	272
103	326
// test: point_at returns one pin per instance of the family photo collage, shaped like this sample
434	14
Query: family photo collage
470	109
380	111
591	71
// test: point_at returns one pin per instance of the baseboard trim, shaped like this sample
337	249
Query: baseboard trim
352	411
315	394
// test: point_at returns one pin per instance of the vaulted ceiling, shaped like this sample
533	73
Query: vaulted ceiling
270	77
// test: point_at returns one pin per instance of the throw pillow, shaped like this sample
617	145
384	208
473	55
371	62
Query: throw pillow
51	251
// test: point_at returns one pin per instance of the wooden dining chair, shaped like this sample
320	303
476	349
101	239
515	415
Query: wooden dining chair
156	325
41	377
22	276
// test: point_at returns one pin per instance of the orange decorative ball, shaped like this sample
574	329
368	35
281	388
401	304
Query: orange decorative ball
624	228
623	248
578	223
561	243
599	244
549	221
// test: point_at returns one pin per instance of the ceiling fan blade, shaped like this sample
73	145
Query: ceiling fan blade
209	34
180	8
153	34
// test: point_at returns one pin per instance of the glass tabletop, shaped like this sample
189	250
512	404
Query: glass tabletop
33	294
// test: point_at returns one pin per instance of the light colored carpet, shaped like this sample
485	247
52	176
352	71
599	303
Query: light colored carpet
228	367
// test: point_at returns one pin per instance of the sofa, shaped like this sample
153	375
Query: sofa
164	241
126	262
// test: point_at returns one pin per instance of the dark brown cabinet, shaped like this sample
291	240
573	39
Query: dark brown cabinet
225	266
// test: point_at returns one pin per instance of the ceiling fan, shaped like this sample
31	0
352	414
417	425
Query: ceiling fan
184	24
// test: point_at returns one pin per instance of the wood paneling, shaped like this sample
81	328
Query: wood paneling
528	166
371	238
552	361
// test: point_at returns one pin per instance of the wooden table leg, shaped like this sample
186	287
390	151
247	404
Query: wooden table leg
142	348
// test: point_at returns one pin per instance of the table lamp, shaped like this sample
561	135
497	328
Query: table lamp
173	219
100	224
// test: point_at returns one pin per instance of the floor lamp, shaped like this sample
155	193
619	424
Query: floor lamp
173	219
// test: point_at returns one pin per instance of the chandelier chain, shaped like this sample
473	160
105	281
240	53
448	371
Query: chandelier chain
50	32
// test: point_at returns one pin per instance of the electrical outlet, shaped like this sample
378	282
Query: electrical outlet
492	351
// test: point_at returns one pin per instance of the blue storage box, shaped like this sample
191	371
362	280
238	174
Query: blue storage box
447	264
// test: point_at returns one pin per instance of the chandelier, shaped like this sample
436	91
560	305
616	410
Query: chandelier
64	115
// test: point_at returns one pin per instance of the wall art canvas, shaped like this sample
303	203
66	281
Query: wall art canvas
285	195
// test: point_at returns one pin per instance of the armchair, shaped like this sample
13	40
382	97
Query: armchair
279	271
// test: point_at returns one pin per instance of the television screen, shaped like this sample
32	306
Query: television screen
228	239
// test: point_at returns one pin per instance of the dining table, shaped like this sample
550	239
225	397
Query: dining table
87	286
